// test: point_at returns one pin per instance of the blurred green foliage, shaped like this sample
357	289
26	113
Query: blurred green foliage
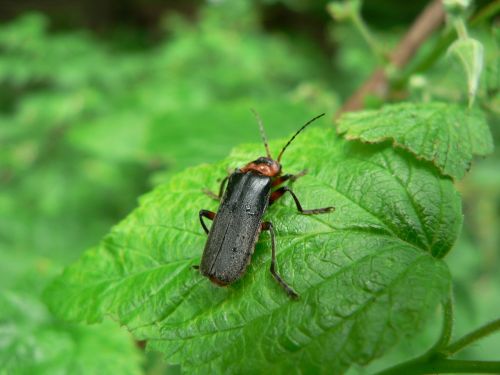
87	126
84	124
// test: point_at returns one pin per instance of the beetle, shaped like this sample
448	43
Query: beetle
238	222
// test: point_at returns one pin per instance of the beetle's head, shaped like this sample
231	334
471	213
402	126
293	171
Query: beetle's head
265	166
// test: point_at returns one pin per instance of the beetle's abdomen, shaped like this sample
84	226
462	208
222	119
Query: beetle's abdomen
236	227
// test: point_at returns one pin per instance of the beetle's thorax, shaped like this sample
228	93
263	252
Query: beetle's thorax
264	166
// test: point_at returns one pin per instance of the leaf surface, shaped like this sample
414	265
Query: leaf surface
33	341
445	134
367	274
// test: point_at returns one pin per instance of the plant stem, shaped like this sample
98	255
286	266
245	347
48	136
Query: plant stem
445	40
429	20
447	329
442	366
468	339
447	366
434	360
461	29
489	10
367	36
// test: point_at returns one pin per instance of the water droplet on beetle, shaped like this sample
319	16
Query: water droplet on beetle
248	210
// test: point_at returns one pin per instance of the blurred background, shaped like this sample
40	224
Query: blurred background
102	100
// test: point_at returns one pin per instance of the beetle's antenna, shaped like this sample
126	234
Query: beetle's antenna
262	132
296	134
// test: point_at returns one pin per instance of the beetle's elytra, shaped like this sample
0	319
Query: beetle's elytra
238	222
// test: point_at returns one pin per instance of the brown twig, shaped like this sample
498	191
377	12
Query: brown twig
378	84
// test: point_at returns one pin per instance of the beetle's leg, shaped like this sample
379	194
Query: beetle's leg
298	175
209	215
275	195
292	177
211	194
222	186
267	225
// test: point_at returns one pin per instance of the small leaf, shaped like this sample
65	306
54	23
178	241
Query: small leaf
344	10
367	274
445	134
470	54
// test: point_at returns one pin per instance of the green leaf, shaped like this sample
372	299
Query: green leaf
470	53
445	134
342	11
367	274
33	341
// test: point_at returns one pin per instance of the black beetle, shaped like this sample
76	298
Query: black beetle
238	222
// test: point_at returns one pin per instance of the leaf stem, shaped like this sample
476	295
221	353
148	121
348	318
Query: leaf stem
446	39
434	360
421	365
488	11
461	29
446	366
359	23
426	23
447	329
468	339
